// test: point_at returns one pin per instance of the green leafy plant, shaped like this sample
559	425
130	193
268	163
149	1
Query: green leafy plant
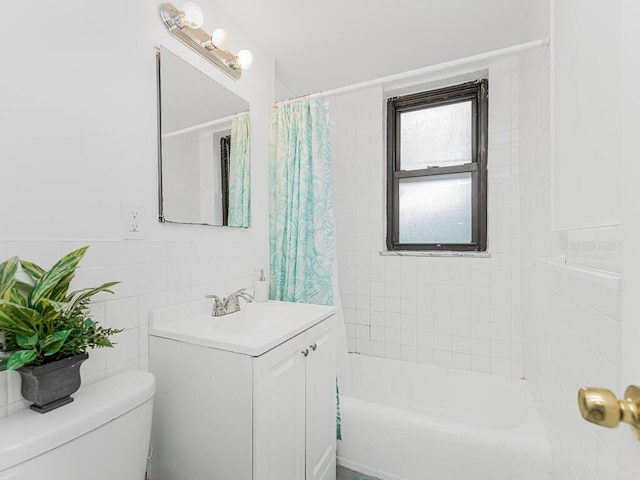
42	321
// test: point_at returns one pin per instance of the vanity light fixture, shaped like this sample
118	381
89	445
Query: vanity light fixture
185	26
192	15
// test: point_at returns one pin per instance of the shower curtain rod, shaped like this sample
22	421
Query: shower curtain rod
543	42
212	123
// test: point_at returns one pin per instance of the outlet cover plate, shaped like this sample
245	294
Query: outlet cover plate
133	221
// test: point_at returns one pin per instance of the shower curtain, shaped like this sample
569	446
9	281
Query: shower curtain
240	172
301	227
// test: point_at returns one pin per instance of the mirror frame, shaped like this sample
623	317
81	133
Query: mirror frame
161	218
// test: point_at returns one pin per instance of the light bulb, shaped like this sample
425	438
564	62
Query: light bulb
192	15
220	38
245	59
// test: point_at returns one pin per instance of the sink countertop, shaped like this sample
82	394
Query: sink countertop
255	329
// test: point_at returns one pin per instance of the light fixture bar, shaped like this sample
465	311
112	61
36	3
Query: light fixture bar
199	41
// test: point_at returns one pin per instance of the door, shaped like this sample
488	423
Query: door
605	454
321	402
630	39
279	412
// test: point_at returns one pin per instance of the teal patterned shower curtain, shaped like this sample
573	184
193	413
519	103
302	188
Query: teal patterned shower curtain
301	227
240	172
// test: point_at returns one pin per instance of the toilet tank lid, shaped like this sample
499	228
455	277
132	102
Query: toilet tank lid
28	434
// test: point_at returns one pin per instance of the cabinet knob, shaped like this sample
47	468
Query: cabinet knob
305	352
313	346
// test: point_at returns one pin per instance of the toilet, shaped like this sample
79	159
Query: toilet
103	435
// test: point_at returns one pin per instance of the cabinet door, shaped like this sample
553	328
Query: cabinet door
279	412
321	402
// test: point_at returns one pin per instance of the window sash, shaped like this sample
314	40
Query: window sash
477	93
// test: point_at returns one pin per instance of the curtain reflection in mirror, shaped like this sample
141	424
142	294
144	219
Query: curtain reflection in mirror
240	172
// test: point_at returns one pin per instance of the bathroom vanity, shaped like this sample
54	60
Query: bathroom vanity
249	395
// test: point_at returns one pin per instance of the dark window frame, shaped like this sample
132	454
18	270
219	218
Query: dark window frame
477	92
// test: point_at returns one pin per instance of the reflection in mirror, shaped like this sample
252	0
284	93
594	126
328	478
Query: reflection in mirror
204	148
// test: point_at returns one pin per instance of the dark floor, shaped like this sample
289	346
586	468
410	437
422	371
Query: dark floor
346	474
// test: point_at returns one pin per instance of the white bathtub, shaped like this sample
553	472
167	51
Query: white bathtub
405	421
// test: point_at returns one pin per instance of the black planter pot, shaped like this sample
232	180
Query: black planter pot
51	385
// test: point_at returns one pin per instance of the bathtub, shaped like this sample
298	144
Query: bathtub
405	421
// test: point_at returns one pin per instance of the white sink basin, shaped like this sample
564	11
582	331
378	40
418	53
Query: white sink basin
258	318
255	329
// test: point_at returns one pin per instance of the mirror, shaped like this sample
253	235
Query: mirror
204	148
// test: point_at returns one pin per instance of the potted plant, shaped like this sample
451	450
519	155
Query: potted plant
47	330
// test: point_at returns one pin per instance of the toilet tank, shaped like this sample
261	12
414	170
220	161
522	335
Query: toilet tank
103	435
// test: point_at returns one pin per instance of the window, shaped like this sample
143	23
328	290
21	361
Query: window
437	174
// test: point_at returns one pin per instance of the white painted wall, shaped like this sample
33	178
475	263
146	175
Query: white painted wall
209	178
588	98
83	116
78	122
182	191
462	313
192	177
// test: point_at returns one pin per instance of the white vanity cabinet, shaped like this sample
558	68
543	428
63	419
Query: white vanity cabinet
295	408
243	415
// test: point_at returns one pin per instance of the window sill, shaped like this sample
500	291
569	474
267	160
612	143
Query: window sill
449	253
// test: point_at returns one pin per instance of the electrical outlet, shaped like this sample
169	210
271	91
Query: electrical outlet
133	216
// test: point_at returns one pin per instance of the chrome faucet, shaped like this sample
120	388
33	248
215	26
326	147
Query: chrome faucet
229	304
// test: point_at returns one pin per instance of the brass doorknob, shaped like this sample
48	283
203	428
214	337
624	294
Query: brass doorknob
602	407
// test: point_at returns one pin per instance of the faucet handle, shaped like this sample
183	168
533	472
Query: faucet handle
216	300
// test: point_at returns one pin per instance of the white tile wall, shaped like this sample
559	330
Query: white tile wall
460	312
599	248
571	324
153	274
